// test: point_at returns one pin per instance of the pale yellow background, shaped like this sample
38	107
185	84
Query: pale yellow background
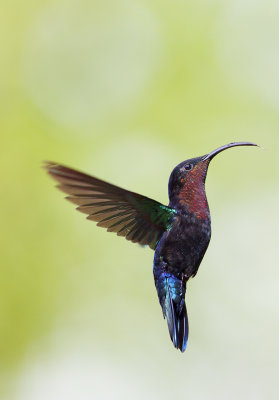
125	90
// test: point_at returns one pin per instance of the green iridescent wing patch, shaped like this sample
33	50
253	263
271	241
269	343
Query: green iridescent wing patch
137	218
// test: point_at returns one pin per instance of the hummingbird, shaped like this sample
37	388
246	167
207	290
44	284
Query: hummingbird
178	233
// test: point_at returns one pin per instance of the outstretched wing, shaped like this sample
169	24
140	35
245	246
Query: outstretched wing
129	214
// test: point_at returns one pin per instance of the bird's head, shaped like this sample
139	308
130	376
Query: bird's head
186	183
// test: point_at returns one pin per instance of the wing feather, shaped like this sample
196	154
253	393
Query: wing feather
137	218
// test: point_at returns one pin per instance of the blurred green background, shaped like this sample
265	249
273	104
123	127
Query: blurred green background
125	90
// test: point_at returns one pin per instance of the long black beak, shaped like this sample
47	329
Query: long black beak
225	147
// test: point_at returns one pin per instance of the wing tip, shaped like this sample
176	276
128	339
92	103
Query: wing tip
46	164
52	168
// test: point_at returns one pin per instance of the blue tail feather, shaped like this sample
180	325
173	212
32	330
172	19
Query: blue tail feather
170	314
171	292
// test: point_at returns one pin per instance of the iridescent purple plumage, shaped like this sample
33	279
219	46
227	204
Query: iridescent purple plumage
179	233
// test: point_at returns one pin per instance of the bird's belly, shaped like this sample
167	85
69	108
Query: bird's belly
182	250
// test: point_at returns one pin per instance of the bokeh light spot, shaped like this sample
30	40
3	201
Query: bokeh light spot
83	61
248	47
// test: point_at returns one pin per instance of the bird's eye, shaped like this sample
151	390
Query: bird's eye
188	167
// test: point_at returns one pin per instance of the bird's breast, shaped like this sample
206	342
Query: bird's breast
183	247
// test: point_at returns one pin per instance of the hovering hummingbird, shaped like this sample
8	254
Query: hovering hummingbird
179	233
